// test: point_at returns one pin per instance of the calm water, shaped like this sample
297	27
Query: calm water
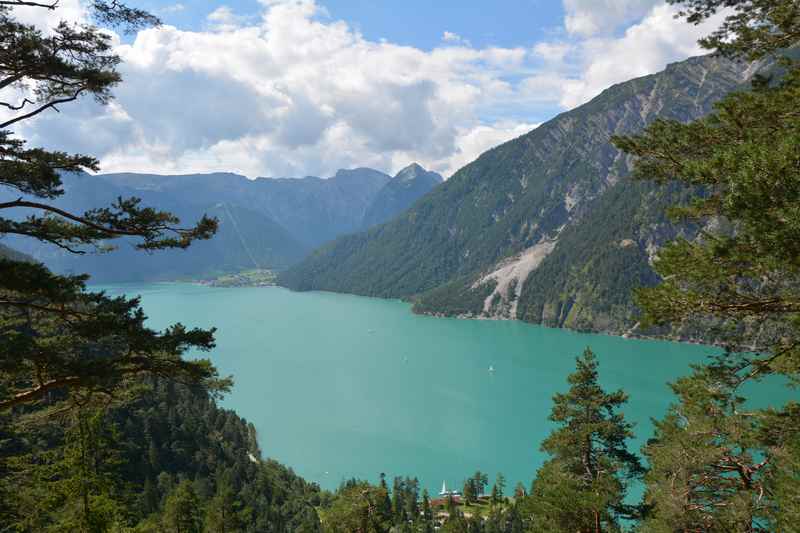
341	386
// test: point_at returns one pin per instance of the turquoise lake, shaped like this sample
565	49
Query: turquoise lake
342	386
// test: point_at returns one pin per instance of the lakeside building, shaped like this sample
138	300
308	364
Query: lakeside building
444	492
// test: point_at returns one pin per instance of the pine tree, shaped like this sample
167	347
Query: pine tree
718	465
427	513
149	499
494	521
474	523
411	498
500	484
515	524
469	492
56	337
455	522
398	501
582	487
222	511
384	506
86	476
480	480
182	510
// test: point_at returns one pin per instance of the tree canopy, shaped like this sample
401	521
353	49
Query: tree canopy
57	339
718	463
583	486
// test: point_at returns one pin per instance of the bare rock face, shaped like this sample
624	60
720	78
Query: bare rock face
545	228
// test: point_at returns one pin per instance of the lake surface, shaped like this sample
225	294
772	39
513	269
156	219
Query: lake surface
342	386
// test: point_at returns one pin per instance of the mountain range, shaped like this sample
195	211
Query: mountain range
546	227
263	223
410	184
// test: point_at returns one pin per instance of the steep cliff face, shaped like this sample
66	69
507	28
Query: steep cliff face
408	186
545	227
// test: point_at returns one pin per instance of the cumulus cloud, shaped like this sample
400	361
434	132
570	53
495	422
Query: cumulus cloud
478	139
297	93
590	65
224	19
290	95
46	19
591	17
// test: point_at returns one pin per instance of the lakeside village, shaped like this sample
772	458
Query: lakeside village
473	501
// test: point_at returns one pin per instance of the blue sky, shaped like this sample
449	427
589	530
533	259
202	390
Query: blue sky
418	23
305	87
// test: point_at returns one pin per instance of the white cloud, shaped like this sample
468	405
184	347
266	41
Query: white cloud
46	19
296	93
291	95
594	64
454	38
590	17
451	37
474	141
174	8
224	19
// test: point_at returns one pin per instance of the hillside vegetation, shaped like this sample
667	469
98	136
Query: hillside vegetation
562	183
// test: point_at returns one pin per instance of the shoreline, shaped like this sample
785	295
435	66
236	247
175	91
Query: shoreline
628	335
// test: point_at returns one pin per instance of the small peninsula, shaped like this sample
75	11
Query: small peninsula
247	278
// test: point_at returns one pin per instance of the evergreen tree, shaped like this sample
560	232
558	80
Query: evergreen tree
500	484
479	481
398	501
514	523
455	522
182	510
709	470
354	508
222	512
427	513
87	479
474	523
411	497
494	521
469	492
149	501
583	486
54	335
717	465
384	502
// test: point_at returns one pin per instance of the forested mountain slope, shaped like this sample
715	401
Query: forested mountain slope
245	239
408	186
314	210
263	223
542	228
13	255
169	457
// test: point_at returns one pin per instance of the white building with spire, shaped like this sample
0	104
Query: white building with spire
445	492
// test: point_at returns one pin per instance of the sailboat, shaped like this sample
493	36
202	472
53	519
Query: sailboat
491	369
